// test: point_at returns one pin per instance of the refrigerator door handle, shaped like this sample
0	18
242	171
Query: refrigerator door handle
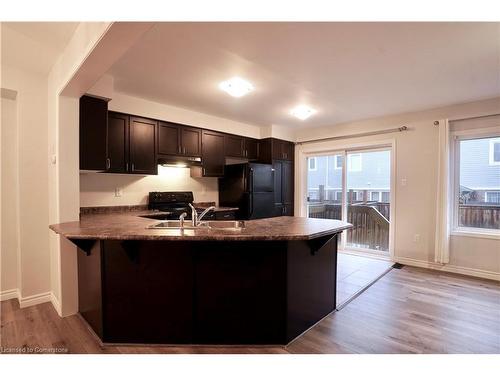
250	180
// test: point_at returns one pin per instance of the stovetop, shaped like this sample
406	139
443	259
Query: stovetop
175	203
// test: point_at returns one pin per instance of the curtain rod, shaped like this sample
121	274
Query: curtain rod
393	130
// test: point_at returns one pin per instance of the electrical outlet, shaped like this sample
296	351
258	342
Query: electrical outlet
416	238
118	192
403	182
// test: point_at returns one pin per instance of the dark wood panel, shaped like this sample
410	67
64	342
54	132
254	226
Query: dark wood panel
239	293
143	146
311	280
118	126
252	148
213	157
287	187
93	133
148	292
234	146
169	138
278	190
191	141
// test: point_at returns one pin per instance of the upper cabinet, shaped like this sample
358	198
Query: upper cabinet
93	133
118	143
213	159
275	149
241	147
142	146
176	139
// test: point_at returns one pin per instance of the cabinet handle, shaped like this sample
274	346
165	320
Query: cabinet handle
126	166
133	167
180	149
108	163
204	171
184	152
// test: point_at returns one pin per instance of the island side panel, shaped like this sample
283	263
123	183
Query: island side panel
90	287
311	280
240	292
148	291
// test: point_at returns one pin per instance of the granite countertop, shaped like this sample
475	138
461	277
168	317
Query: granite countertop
130	226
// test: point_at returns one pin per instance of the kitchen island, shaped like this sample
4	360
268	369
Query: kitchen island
265	283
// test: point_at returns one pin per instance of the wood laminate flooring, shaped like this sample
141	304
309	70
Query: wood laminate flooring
408	310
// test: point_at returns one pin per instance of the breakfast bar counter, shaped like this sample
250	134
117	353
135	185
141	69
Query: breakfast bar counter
263	282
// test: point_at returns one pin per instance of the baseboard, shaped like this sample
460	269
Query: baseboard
56	303
9	294
449	268
34	299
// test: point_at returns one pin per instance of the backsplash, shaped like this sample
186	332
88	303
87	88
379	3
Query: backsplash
99	189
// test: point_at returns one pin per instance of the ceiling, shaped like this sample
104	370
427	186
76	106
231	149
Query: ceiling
346	71
35	46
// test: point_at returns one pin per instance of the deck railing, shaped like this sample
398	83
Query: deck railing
370	222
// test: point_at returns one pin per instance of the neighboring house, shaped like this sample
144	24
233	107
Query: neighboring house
480	171
367	173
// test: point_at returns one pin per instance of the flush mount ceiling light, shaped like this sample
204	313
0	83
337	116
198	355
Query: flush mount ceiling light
236	87
302	112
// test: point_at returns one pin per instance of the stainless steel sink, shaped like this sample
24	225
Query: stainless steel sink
176	224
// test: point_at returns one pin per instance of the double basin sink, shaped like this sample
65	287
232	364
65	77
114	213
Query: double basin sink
231	225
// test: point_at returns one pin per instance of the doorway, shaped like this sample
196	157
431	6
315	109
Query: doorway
354	185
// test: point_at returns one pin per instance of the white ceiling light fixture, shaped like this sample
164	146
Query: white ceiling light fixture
302	112
236	87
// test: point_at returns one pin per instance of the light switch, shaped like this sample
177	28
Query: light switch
403	182
118	192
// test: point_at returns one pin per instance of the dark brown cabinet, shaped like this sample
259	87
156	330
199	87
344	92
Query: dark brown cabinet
118	125
213	159
283	187
142	146
275	149
241	147
93	133
176	139
235	146
169	138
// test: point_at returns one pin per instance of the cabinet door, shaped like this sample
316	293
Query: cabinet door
251	148
278	194
93	133
213	158
278	146
143	146
191	141
235	146
169	138
118	142
288	150
287	182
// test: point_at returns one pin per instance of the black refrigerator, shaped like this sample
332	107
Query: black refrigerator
250	187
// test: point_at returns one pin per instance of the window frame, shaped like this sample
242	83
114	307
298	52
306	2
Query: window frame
315	163
486	193
378	195
491	158
335	166
454	163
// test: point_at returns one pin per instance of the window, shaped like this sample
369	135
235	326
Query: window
338	195
493	197
477	182
338	162
494	157
375	196
354	162
312	162
386	196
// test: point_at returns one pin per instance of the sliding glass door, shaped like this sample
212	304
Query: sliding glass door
354	186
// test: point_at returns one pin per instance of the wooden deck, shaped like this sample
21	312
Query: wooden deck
409	310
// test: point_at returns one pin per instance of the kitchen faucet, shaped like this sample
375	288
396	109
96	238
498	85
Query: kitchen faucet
195	218
181	219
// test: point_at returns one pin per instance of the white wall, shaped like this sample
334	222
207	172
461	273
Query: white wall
32	173
98	189
416	161
9	198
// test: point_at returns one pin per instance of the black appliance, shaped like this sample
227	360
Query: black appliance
250	187
173	204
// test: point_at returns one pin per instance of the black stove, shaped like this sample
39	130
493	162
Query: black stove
172	203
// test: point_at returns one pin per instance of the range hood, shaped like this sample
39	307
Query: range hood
179	161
